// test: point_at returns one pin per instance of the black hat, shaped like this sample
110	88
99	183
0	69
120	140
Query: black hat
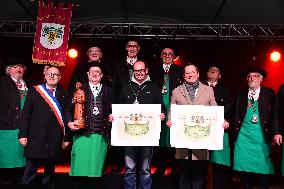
219	67
256	70
95	64
15	61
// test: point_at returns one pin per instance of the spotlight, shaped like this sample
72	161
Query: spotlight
275	56
176	59
72	53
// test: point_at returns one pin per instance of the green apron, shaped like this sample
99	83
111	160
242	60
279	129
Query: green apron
222	156
11	151
88	155
165	131
252	151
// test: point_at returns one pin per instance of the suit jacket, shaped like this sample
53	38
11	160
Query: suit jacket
175	74
39	125
268	119
223	98
120	77
10	103
204	96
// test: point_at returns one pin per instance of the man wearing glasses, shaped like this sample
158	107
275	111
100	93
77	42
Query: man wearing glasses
42	131
139	90
168	76
122	73
94	56
255	125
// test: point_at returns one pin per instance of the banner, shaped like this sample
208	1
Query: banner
136	125
52	34
197	127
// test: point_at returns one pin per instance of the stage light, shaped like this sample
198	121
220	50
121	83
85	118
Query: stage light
275	56
72	53
176	59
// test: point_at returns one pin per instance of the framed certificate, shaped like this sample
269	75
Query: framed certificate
136	125
197	127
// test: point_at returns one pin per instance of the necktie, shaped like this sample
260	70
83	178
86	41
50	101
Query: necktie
19	84
51	90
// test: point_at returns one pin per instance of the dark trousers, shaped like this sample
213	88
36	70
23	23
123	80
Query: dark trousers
192	174
221	176
11	175
248	180
32	167
163	157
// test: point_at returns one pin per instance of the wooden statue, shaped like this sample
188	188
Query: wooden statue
79	100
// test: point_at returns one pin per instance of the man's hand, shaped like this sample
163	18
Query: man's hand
65	145
23	141
169	123
277	139
162	116
110	118
226	124
73	126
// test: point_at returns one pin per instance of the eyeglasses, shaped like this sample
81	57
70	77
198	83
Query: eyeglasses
94	52
132	46
53	74
95	71
164	54
139	71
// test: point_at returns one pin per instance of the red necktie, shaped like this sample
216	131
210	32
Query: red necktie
51	90
19	84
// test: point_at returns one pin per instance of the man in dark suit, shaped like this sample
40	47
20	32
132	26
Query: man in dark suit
41	127
220	158
255	124
13	90
123	70
168	76
122	73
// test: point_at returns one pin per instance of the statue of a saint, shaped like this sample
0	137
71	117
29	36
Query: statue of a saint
79	100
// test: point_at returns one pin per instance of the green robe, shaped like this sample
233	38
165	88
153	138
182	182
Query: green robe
252	151
165	131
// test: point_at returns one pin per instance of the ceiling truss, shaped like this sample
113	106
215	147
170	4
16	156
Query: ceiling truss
159	31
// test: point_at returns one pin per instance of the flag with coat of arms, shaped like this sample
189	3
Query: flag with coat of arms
52	34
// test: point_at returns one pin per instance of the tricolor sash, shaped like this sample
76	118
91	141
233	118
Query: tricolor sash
52	102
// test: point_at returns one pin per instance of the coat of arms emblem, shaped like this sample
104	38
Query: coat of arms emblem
136	125
51	35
